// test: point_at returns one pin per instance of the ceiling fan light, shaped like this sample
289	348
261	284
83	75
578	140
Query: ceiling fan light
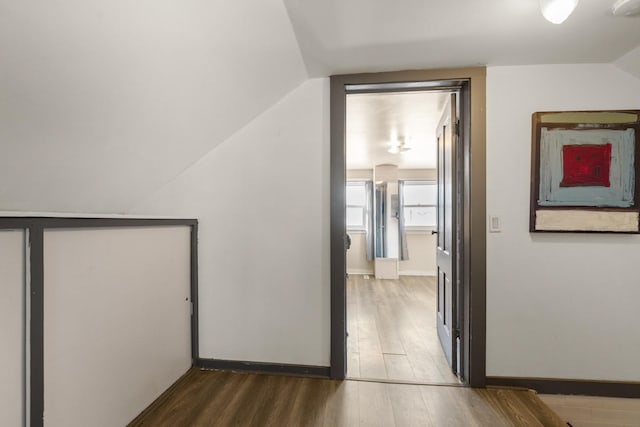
557	11
395	144
394	149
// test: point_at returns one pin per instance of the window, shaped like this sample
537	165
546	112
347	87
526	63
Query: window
420	203
356	205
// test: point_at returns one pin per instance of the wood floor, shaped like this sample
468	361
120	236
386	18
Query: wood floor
216	398
591	411
392	330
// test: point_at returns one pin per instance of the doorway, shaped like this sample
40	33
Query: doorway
393	309
468	341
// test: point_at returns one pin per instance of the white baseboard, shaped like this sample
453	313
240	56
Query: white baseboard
360	271
417	273
401	272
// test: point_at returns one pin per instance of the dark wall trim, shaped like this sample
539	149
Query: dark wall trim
474	223
338	227
195	331
265	368
562	386
35	227
80	222
36	326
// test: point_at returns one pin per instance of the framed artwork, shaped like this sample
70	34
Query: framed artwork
584	172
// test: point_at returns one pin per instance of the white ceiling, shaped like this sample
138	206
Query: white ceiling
375	119
345	36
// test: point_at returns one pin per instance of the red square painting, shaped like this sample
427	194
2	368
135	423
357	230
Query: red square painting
586	165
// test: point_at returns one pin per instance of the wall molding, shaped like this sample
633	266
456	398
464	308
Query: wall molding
360	271
357	271
264	367
417	273
568	386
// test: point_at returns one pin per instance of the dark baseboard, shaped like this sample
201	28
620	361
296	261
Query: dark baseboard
264	368
562	386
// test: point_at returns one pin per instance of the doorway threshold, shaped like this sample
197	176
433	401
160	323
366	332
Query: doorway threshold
407	382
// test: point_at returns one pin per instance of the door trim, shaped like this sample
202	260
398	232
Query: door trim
473	144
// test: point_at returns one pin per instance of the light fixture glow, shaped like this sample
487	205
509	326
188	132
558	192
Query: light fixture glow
557	11
394	143
397	145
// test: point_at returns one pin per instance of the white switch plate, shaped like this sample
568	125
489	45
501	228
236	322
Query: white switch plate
494	224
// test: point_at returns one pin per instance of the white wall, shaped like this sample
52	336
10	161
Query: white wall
630	62
117	321
558	305
422	255
357	262
105	102
359	174
262	198
421	244
12	267
417	174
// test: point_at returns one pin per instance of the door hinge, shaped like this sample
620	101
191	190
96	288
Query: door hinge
456	333
457	127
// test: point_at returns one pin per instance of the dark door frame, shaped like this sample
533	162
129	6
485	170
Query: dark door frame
472	84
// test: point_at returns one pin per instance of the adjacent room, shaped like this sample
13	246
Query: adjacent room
392	214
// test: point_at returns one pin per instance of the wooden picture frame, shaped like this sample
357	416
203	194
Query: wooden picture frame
584	172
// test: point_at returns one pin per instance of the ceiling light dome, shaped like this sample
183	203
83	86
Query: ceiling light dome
626	8
556	11
397	145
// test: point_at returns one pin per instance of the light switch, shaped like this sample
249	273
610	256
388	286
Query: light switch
494	224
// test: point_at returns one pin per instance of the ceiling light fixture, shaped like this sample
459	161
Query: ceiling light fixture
626	7
397	145
556	11
394	149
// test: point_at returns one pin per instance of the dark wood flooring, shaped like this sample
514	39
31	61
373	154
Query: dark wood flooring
392	337
216	398
392	330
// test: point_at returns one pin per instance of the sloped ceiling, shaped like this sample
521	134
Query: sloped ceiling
630	62
345	36
103	102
